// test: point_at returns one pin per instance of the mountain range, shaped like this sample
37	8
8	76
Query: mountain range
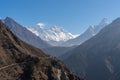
54	36
29	37
70	44
24	34
57	36
93	55
21	61
89	33
98	57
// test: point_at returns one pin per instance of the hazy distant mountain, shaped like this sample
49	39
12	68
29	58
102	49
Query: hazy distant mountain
55	35
90	32
58	52
24	34
99	57
21	61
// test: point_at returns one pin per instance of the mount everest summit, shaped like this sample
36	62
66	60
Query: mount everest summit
54	35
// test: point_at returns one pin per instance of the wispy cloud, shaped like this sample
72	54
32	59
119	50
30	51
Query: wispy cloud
41	25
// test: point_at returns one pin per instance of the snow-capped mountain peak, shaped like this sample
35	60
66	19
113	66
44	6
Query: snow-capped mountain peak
54	33
89	33
104	21
56	28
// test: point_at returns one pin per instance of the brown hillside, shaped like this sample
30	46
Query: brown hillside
21	61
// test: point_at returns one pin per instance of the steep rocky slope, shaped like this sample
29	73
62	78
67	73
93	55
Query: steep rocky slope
99	57
24	34
21	61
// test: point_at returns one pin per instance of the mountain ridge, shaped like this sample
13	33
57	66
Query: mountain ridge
89	33
25	34
99	54
54	35
22	61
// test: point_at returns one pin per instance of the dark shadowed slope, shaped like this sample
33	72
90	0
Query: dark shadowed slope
99	57
24	34
21	61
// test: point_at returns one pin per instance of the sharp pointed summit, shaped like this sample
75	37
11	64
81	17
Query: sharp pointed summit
90	32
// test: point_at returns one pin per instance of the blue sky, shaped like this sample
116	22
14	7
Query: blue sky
74	16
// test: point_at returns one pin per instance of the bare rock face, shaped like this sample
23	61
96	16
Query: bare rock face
21	61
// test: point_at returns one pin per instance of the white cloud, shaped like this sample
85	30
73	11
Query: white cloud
41	25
